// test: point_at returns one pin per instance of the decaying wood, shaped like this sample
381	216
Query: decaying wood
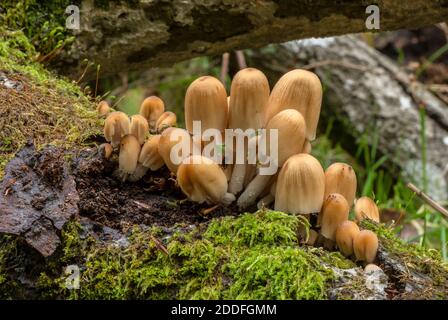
367	93
124	35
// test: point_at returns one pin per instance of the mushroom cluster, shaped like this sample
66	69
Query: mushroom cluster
288	116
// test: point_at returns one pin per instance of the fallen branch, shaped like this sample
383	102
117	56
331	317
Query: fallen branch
436	206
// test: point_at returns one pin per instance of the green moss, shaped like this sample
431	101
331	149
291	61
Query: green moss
426	261
47	108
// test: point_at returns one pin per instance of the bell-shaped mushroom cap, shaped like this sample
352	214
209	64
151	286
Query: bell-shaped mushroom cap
300	90
335	210
203	180
345	235
129	152
152	108
341	178
206	101
149	155
365	246
249	94
300	185
366	208
117	125
139	127
291	134
103	108
175	145
167	119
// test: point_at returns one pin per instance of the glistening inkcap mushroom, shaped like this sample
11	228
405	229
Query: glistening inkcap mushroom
128	157
365	246
301	90
345	236
366	208
167	119
139	127
149	158
334	211
152	108
116	126
249	94
290	128
300	185
203	180
103	108
341	178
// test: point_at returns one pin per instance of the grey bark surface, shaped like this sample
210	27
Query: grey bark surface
141	34
366	92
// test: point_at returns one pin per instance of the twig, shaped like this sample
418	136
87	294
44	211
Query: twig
159	245
224	67
240	59
428	200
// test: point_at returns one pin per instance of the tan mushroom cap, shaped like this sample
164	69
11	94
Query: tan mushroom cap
128	157
116	126
202	180
291	134
152	108
167	119
366	208
139	127
345	235
103	108
175	144
365	246
300	90
335	210
206	101
341	178
149	155
249	94
300	185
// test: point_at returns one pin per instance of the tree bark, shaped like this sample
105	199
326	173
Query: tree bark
366	92
139	34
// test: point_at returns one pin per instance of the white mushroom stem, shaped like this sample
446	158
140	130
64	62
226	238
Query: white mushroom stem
139	173
228	199
237	181
253	190
265	201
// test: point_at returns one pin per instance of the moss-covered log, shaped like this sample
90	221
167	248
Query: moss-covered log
123	35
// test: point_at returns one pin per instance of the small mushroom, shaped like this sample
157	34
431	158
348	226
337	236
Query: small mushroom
152	108
301	90
103	108
345	235
366	208
128	157
106	149
341	178
139	127
371	268
206	101
149	158
203	180
365	246
175	145
335	210
291	129
117	125
167	119
300	185
249	94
